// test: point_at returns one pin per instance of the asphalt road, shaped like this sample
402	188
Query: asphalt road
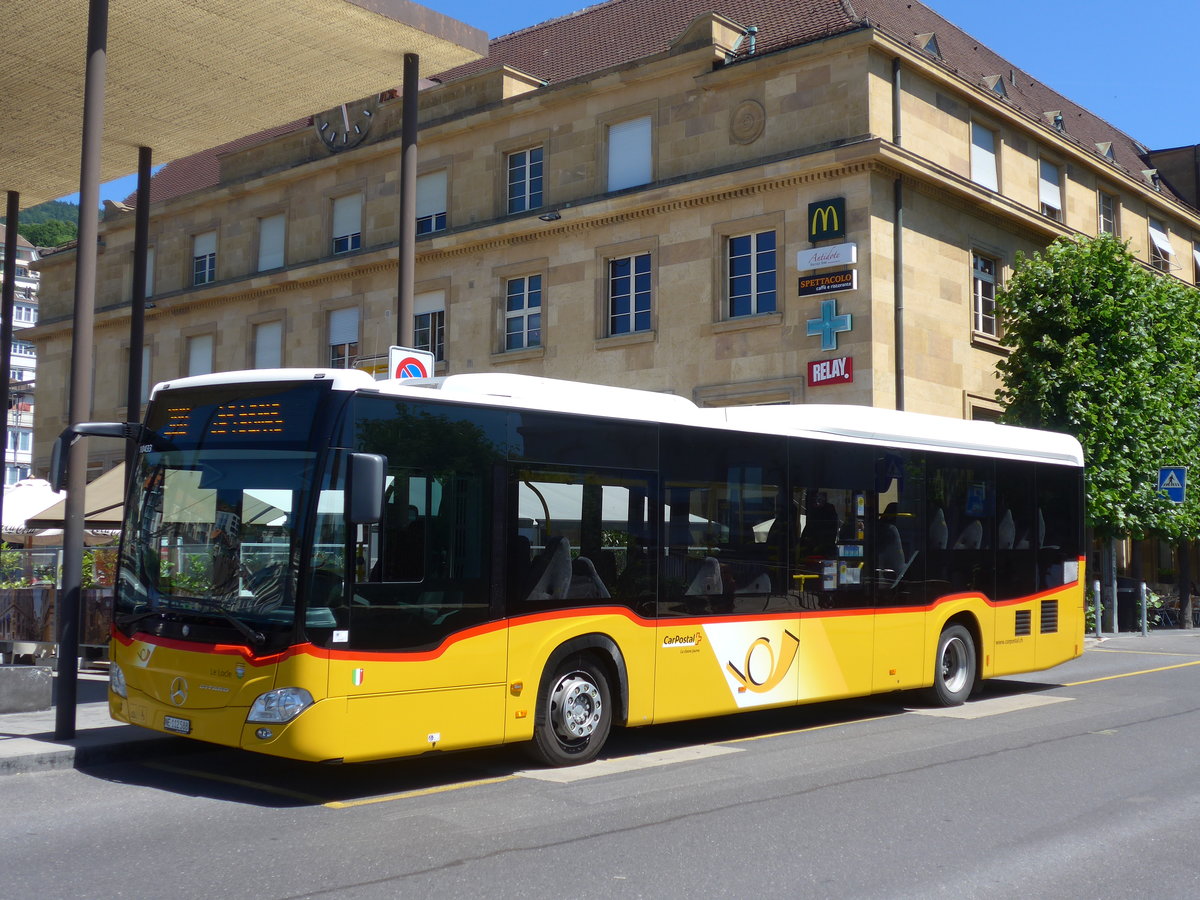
1083	781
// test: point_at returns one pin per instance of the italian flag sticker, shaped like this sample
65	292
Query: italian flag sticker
358	677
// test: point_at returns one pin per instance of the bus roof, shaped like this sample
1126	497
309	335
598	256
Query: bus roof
856	424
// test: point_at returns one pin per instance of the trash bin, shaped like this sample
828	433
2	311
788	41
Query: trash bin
1129	610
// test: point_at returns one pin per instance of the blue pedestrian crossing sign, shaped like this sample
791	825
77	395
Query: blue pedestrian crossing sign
1172	481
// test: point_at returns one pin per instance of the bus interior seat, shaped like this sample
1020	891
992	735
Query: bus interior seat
760	584
550	574
1006	531
971	537
939	533
586	583
707	581
892	561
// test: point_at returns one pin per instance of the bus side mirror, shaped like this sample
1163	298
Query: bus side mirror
130	431
366	483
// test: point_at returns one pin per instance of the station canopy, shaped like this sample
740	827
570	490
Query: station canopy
185	75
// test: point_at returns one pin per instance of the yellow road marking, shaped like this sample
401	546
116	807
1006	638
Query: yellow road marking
422	792
240	782
1131	674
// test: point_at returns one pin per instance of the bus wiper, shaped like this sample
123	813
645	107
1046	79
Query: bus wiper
134	618
256	638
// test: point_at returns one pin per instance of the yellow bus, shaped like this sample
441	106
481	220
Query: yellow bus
321	566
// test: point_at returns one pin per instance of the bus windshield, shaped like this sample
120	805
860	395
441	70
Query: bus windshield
215	535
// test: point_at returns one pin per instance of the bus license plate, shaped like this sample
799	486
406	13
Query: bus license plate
177	725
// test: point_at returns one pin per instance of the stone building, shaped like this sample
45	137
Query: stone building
628	195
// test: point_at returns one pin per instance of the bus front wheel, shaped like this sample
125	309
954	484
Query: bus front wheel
574	713
953	667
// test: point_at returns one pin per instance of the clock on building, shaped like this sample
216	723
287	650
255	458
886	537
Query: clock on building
347	125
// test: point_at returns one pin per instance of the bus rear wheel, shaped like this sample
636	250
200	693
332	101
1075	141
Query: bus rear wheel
953	667
574	714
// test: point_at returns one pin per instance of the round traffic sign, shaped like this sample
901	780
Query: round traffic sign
410	367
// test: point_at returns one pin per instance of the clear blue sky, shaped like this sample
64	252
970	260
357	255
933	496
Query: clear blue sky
1134	65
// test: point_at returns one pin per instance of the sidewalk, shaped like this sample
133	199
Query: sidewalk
27	739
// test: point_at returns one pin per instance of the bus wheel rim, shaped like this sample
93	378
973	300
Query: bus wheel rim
576	707
954	665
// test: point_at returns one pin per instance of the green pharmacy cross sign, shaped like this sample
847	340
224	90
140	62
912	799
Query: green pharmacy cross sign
829	325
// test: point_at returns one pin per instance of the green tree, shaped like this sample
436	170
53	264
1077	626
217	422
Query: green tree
1108	351
53	233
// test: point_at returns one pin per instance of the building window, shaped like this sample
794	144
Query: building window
347	223
271	242
630	154
629	294
431	202
523	313
23	348
429	323
268	345
25	314
1196	262
343	338
204	258
1160	246
20	440
983	294
1050	190
525	180
1106	205
984	170
13	474
200	354
751	260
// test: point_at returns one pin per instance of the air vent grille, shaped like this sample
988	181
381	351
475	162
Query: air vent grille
1049	617
1022	625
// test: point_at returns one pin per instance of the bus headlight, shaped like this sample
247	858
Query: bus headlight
116	680
280	705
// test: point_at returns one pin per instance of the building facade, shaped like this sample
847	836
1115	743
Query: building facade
660	197
22	373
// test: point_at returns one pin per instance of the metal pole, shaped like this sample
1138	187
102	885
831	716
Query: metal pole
6	326
137	305
81	367
1099	605
408	202
1142	598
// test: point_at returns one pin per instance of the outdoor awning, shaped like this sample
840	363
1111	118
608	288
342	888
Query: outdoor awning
103	504
183	76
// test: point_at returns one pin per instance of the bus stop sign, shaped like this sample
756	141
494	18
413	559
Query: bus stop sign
1172	481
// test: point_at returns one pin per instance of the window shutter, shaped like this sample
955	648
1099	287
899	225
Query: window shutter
1049	192
431	194
347	215
1158	234
983	157
204	244
268	337
629	154
429	302
200	354
149	271
343	326
270	242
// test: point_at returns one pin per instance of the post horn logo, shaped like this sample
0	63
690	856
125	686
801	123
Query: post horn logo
776	670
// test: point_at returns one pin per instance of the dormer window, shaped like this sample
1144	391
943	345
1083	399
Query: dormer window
928	42
1106	150
1055	118
996	84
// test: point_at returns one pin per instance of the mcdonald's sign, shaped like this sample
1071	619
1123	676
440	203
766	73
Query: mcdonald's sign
827	219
